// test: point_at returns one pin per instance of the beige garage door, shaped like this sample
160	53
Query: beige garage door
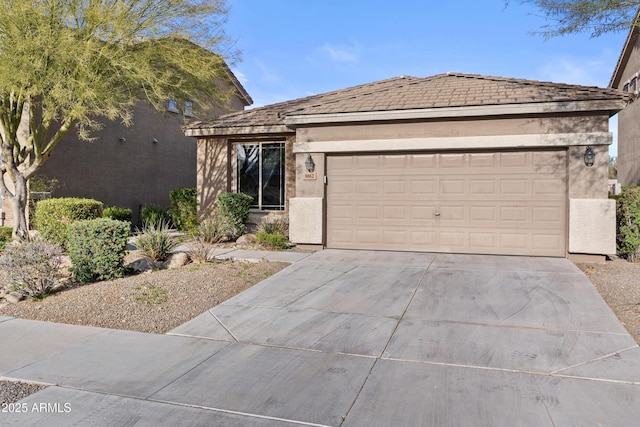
484	202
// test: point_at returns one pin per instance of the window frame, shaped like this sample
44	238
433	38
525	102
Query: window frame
260	207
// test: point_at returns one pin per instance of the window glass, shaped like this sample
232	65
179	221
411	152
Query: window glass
634	84
188	108
260	173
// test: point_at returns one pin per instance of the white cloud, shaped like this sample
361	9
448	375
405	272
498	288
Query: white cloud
342	53
242	78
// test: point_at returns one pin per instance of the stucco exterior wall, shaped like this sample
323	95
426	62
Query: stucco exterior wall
129	166
455	128
632	66
629	118
587	189
124	166
629	145
215	172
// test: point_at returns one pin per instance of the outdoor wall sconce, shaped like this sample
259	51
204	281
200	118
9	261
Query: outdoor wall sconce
310	164
155	141
589	157
122	139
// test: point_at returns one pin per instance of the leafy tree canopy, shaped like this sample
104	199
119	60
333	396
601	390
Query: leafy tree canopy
596	17
64	64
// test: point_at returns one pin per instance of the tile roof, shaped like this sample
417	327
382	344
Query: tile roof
405	93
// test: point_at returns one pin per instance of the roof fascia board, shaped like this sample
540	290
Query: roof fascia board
239	130
446	112
457	143
625	53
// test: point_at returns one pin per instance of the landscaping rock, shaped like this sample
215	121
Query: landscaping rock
246	239
14	297
176	260
141	265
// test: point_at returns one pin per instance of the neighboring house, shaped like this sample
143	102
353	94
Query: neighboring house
133	166
625	77
450	163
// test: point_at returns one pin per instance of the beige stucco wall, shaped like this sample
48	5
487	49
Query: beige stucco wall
584	183
632	65
629	145
455	128
215	172
629	121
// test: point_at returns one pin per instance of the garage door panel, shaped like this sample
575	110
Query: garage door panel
484	202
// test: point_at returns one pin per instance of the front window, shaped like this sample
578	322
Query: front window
260	173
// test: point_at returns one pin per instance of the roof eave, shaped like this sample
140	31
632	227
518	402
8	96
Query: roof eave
625	53
236	130
610	105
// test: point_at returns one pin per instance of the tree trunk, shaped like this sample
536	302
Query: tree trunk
19	208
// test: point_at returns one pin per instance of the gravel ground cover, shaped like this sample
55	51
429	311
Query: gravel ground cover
618	281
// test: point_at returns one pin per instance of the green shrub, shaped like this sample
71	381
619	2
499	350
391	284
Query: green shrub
154	215
97	248
119	214
277	241
234	211
53	216
184	209
274	226
155	241
32	266
211	229
628	223
6	235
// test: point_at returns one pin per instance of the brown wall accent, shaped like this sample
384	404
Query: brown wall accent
629	145
456	128
588	182
133	172
215	170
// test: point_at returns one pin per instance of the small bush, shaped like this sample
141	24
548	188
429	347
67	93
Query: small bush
277	241
155	241
119	214
154	215
212	229
32	267
97	248
6	235
198	250
184	209
234	211
53	216
628	223
274	226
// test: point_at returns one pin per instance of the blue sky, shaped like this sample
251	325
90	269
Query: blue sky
296	48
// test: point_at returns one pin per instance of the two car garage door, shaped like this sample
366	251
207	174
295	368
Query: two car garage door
511	202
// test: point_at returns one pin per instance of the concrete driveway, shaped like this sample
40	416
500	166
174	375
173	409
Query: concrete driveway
356	338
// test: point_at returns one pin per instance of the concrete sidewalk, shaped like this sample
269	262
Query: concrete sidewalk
350	338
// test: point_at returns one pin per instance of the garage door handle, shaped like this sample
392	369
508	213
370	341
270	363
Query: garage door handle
437	213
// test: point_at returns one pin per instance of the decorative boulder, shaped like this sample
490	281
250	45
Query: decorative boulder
176	260
141	265
246	239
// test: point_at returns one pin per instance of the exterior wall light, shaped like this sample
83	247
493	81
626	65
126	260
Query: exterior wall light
122	139
310	164
589	157
154	140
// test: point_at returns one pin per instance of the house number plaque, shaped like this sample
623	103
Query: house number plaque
310	176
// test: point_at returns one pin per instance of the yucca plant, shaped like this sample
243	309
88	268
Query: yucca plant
155	241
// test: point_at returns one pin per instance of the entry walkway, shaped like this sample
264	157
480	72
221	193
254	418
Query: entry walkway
351	338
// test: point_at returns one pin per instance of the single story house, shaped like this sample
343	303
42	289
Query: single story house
625	77
449	163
